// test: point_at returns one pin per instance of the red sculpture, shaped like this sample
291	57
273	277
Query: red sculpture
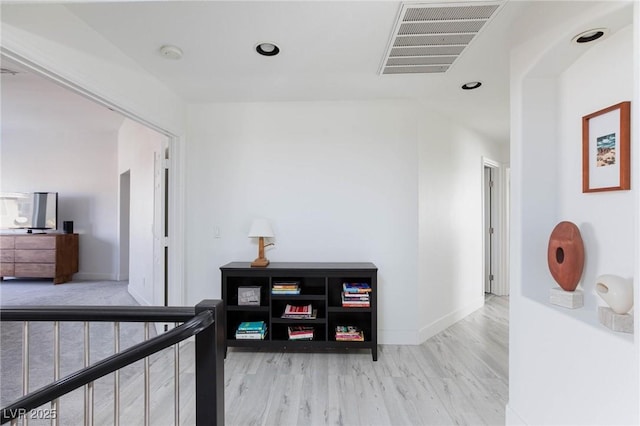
565	255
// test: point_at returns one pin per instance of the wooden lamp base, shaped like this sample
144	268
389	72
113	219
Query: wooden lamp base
260	262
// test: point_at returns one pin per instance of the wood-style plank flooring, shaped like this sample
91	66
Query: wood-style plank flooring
459	377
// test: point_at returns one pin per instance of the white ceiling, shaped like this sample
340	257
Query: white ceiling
330	50
28	98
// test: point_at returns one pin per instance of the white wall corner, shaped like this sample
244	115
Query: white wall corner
448	320
512	418
133	291
122	277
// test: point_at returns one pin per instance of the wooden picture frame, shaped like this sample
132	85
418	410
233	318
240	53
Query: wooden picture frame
606	149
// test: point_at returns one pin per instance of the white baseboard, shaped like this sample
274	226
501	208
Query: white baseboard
512	418
412	337
397	337
94	276
448	320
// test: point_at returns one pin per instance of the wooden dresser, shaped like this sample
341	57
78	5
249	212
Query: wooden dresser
39	256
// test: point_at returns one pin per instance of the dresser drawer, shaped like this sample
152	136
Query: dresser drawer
7	256
7	242
37	256
36	242
35	270
6	270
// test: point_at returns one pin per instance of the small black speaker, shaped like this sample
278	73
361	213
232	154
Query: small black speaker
67	226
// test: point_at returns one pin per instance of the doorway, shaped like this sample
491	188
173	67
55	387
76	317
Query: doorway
167	278
495	228
489	231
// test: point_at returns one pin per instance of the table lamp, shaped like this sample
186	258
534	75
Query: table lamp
261	229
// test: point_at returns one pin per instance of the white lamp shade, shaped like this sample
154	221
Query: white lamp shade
261	228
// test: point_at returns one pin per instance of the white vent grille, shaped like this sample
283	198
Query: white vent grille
429	38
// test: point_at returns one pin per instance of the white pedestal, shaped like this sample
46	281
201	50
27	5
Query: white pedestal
616	322
566	299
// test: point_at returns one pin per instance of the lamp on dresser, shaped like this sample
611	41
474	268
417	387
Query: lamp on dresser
261	229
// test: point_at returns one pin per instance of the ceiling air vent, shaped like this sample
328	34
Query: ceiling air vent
428	38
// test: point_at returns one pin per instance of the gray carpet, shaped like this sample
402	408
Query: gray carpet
43	292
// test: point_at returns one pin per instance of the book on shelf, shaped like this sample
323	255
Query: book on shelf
355	296
252	326
356	287
300	332
360	300
251	336
349	333
299	312
285	292
285	287
251	330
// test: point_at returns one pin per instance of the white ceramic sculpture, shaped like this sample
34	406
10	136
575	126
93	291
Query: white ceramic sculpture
616	291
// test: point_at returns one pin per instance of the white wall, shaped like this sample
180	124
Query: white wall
79	164
138	147
566	368
337	180
451	227
343	181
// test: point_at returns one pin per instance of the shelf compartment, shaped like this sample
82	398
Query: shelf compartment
281	334
278	307
309	286
361	320
299	298
334	296
233	283
234	318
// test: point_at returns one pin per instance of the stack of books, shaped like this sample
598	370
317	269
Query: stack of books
349	333
300	332
285	287
251	330
300	312
356	295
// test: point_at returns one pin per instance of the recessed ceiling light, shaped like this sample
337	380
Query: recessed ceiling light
590	35
267	49
171	52
471	85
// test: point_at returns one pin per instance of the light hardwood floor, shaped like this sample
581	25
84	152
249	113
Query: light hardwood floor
459	377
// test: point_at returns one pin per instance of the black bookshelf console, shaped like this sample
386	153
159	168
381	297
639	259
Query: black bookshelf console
321	285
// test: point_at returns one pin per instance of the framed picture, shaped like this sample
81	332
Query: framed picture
249	296
605	149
